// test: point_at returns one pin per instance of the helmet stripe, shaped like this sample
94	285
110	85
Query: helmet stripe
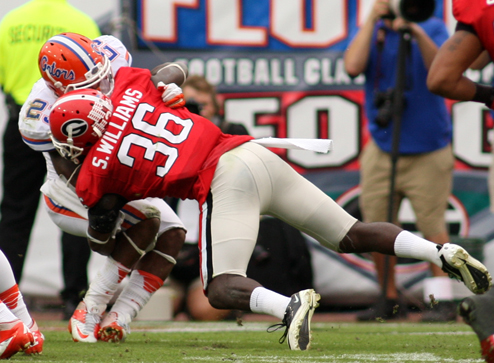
68	97
75	48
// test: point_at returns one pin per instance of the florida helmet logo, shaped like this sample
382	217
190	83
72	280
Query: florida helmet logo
55	71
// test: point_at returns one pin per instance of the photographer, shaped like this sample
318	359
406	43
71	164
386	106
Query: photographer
425	162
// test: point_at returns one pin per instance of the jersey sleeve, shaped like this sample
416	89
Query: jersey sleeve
34	115
116	51
468	11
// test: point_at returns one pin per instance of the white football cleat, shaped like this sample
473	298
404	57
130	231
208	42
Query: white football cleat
458	264
84	325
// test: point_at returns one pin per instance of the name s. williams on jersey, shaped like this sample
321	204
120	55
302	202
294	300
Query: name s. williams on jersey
110	138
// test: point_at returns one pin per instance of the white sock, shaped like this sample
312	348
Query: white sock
6	315
264	301
13	299
10	294
104	286
411	246
142	285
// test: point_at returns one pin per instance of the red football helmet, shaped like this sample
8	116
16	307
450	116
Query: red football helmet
77	121
71	61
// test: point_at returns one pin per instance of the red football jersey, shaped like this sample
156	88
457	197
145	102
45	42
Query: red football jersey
480	15
150	150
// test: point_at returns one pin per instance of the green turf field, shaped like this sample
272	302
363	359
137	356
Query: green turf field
230	342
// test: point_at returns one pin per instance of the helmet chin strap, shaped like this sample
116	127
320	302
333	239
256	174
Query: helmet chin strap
73	173
72	147
56	84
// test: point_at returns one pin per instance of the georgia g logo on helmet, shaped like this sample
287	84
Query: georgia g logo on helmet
74	128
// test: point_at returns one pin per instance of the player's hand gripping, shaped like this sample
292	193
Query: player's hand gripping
172	95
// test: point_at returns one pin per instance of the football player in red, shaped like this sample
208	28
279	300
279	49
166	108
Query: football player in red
474	36
149	149
71	61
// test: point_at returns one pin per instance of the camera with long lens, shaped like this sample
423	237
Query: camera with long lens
383	100
414	11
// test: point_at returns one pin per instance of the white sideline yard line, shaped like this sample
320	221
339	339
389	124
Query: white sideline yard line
346	358
184	327
232	326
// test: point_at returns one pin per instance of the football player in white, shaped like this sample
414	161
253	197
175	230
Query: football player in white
67	62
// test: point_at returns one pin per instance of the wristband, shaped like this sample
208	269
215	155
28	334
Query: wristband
484	94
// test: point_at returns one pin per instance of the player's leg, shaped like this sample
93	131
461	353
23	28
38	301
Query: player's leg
149	273
14	334
303	205
146	278
229	228
389	239
198	305
129	246
84	322
17	312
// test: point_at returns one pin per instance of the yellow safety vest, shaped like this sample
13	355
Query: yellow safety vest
24	30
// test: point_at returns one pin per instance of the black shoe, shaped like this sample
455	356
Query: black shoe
476	311
388	309
441	312
297	319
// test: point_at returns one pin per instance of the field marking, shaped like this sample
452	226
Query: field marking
206	327
180	327
347	358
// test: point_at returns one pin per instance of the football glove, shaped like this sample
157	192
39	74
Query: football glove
172	95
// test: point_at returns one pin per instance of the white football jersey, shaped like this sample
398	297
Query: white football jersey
34	116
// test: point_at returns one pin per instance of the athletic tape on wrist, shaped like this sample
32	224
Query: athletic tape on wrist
484	94
166	257
95	240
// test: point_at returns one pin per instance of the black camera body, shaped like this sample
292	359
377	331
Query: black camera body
383	100
193	106
385	103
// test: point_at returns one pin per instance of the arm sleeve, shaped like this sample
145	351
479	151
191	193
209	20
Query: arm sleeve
465	27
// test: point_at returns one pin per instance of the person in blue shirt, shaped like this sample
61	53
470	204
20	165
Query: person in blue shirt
425	160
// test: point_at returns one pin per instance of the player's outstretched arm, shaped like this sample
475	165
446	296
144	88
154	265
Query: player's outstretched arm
456	55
